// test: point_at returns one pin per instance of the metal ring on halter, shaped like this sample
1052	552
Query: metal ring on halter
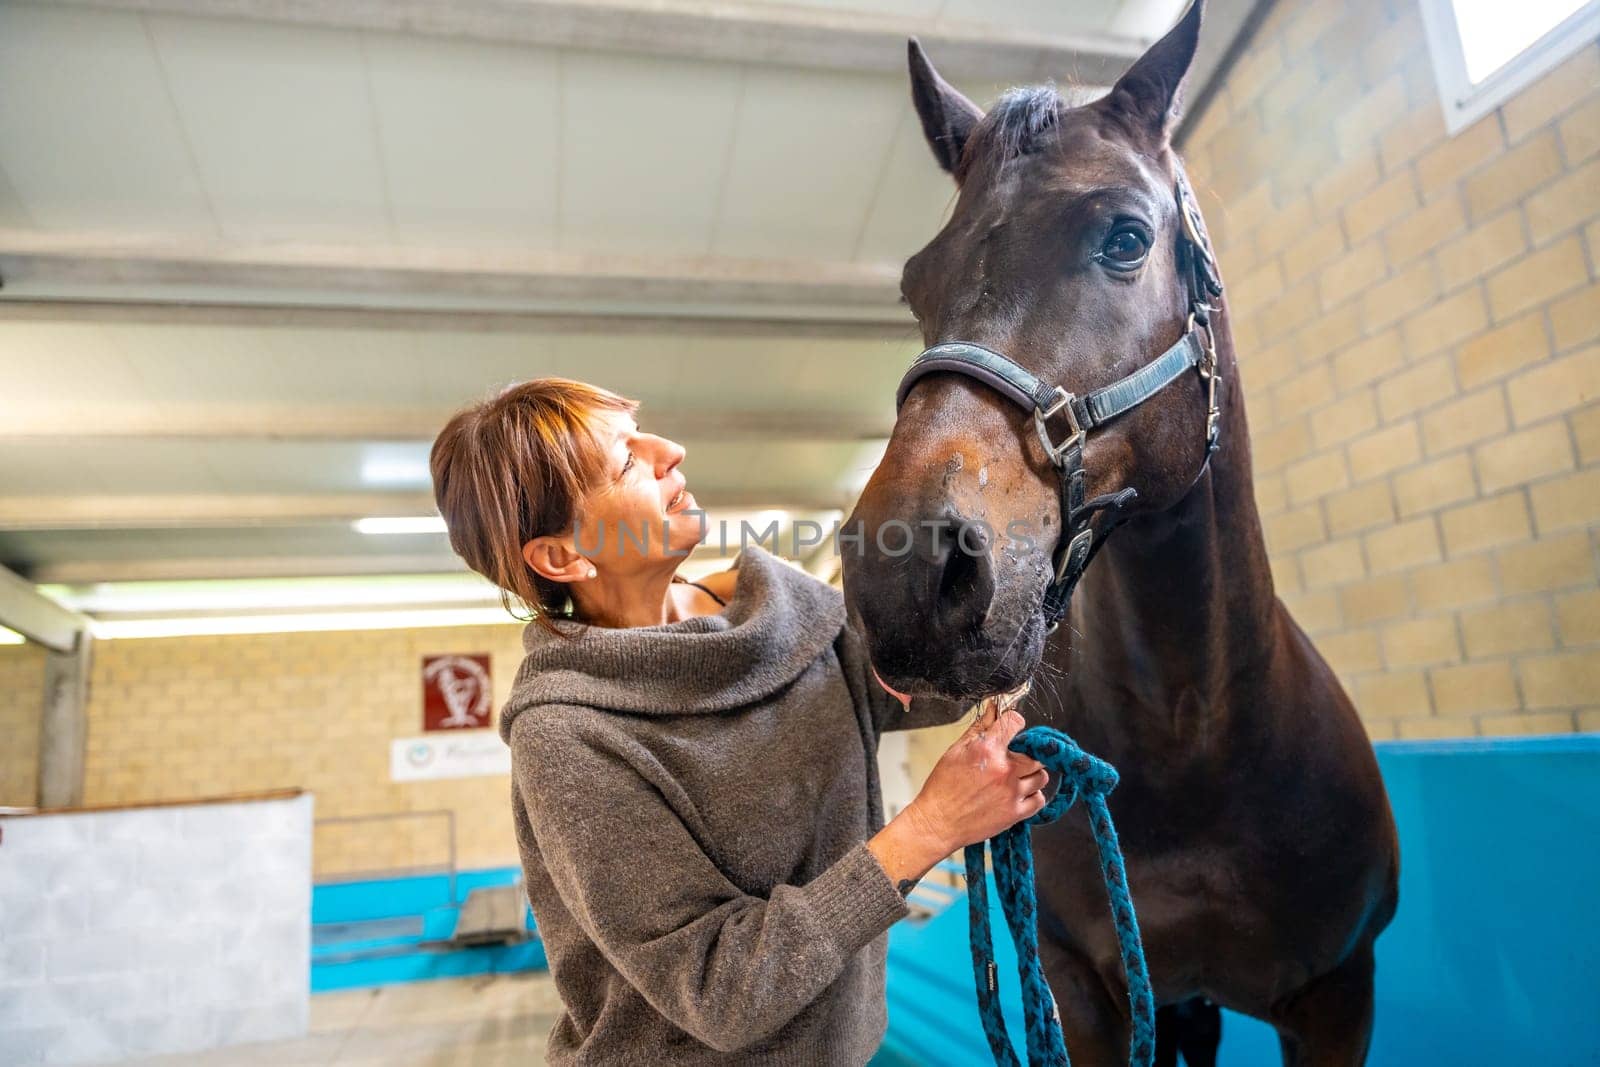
1063	400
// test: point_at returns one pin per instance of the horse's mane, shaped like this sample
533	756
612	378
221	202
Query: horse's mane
1019	120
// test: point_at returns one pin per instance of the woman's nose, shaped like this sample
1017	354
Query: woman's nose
668	455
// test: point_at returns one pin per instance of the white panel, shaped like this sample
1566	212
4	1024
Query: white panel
909	8
643	147
459	368
809	153
469	135
913	200
66	468
191	365
281	122
51	368
13	214
362	368
1039	16
88	139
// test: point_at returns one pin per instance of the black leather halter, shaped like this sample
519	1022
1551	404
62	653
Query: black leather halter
1063	420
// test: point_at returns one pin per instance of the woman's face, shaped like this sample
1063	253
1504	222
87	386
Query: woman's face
642	510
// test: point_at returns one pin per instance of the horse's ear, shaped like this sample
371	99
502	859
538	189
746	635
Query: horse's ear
948	118
1148	96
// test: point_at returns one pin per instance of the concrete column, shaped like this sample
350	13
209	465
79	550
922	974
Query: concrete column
64	726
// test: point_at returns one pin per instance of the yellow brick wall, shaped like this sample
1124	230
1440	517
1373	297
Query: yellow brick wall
21	704
1418	324
202	716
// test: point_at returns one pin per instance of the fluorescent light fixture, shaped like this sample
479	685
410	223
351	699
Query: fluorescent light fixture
211	625
254	595
400	524
10	637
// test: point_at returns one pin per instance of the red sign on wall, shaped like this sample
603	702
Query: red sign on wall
456	692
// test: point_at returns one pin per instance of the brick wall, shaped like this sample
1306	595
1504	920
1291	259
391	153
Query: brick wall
21	705
205	716
1418	324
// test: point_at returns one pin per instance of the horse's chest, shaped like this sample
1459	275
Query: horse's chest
1233	902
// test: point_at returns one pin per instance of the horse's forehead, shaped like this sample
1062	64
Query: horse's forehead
1086	158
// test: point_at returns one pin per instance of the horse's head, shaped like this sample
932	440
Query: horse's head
1065	253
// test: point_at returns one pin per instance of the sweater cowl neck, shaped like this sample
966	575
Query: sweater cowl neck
778	622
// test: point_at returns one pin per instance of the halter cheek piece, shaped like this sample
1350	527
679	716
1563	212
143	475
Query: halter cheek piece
1063	419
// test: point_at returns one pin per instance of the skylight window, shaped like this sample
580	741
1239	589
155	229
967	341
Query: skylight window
1485	51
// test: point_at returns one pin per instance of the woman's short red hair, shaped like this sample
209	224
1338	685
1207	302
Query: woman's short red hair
516	467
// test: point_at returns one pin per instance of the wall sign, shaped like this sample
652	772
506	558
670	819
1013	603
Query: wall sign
456	692
462	755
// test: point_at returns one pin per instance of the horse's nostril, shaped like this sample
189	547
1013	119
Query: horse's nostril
966	584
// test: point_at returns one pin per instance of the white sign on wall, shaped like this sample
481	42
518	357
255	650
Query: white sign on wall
453	755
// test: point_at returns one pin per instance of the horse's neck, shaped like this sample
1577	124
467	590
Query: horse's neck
1179	605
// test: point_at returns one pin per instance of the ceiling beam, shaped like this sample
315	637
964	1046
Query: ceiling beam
407	425
896	327
36	617
166	511
736	31
38	266
201	568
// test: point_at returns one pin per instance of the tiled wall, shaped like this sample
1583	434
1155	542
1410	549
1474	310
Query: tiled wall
133	933
21	703
205	716
1418	323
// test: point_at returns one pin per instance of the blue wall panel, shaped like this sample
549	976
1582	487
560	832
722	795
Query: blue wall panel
1494	957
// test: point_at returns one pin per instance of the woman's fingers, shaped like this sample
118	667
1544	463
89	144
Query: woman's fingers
1032	783
1021	765
1009	726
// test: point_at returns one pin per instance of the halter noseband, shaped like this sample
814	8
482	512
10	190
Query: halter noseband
1063	419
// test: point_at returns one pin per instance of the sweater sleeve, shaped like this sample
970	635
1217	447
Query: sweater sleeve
887	711
724	966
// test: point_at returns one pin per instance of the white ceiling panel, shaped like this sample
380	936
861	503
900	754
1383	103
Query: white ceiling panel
203	365
88	138
369	368
281	122
468	133
643	147
806	163
42	467
13	214
63	367
912	201
457	368
906	8
1040	16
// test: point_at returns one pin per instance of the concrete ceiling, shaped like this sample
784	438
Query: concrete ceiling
254	252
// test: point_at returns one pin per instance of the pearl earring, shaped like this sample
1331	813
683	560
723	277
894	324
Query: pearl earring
593	573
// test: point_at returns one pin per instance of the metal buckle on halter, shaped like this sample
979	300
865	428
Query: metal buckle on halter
1077	552
1041	416
1208	373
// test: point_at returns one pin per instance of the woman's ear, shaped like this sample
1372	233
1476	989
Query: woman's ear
555	559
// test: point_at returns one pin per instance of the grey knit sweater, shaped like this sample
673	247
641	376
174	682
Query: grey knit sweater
692	803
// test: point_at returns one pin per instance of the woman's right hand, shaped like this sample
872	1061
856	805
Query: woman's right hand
979	788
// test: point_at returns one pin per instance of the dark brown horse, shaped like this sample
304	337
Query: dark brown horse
1260	847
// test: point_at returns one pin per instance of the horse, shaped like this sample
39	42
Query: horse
1260	847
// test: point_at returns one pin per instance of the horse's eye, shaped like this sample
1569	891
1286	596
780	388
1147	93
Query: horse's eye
1125	249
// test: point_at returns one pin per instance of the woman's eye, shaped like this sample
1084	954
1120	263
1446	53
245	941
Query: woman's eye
1124	249
627	466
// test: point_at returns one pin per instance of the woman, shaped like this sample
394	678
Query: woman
694	781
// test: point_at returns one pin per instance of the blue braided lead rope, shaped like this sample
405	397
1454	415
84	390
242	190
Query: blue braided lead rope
1078	774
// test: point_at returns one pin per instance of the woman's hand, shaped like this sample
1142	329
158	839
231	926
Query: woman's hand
977	789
